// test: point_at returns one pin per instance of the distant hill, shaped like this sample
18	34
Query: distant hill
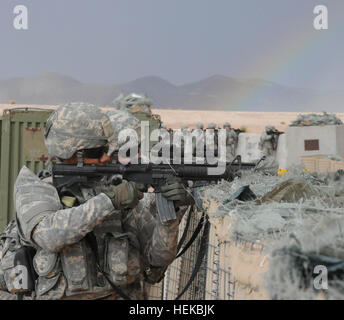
213	93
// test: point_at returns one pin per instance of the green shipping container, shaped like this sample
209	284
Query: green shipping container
21	143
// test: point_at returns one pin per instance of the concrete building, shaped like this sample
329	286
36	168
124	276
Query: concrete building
313	140
249	151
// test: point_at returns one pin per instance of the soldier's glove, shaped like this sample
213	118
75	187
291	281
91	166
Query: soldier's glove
175	190
125	195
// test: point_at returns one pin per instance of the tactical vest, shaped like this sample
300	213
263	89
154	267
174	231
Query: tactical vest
73	270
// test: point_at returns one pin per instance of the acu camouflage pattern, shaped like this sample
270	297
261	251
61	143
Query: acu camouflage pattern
199	126
134	103
77	126
133	246
198	143
231	142
124	120
265	144
9	243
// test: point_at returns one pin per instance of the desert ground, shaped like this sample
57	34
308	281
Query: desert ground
254	122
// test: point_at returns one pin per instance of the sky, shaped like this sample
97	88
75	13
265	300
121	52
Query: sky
115	41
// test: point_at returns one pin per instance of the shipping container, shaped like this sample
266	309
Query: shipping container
21	143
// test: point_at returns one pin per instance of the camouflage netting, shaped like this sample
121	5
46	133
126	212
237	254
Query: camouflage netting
298	216
316	120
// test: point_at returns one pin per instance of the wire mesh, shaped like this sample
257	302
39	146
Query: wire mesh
213	280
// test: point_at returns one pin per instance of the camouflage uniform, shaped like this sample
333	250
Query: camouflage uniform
9	241
231	141
180	138
198	141
265	142
134	103
132	245
211	138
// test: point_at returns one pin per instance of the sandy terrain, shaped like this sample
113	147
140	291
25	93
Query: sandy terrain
253	121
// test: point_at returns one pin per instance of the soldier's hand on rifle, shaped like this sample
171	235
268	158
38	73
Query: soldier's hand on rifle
125	195
175	190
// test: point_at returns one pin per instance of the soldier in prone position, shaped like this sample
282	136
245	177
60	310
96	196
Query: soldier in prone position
92	241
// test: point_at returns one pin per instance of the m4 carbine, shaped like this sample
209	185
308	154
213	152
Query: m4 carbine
154	175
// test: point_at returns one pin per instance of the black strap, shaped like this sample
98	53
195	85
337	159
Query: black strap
92	241
194	236
183	237
199	259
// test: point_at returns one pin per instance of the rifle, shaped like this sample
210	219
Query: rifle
154	175
238	131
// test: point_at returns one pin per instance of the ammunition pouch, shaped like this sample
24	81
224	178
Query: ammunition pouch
116	258
17	272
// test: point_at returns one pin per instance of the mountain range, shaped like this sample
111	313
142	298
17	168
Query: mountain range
214	93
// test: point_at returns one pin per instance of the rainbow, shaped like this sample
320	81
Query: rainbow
290	55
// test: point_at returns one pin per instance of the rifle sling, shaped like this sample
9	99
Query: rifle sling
183	237
199	259
193	237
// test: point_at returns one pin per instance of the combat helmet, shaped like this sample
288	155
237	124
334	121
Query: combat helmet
133	102
184	127
78	126
200	126
212	125
269	128
226	124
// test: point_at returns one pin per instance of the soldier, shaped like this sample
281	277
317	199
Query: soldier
211	125
231	141
93	241
198	140
266	141
184	128
211	138
184	135
200	126
134	103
